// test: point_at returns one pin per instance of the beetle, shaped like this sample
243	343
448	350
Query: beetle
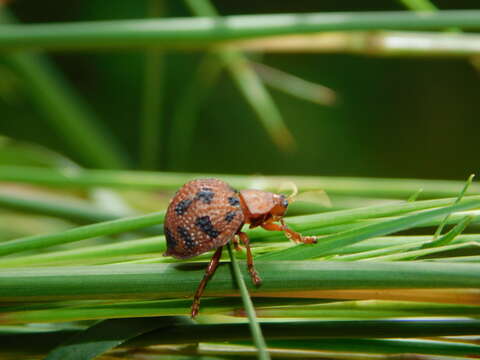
205	214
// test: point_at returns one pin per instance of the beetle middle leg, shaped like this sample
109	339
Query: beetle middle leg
289	233
211	268
251	268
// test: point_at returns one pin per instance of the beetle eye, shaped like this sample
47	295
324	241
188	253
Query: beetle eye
285	203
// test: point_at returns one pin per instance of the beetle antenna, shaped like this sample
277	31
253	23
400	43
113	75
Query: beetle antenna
291	197
289	185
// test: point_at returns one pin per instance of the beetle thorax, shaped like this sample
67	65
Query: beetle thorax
260	206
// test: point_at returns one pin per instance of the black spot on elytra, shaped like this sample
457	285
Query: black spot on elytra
171	241
234	190
206	195
186	237
229	216
234	201
205	224
182	206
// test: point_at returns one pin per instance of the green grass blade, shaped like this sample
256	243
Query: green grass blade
249	84
80	233
329	244
185	113
103	336
450	236
395	188
384	346
145	281
14	343
65	111
201	32
76	211
459	198
152	98
300	222
419	5
249	309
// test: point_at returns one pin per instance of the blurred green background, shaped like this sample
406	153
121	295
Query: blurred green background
396	117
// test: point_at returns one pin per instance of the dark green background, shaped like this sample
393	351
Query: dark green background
397	117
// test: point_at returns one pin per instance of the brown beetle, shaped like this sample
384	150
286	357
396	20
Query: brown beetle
206	213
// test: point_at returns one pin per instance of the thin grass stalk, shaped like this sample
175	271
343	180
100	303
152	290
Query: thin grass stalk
255	328
395	188
200	33
249	84
459	198
186	112
151	128
68	115
141	281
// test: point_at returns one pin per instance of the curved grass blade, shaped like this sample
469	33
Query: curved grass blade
330	243
249	83
63	109
80	233
147	281
249	309
394	188
459	198
106	335
154	75
201	32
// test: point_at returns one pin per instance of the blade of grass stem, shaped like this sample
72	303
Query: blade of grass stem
295	86
449	236
384	346
185	114
395	188
42	341
255	329
330	243
64	110
265	308
249	84
413	254
419	5
201	32
152	98
300	222
80	233
143	281
367	43
459	198
105	335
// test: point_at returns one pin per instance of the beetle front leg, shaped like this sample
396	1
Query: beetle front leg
289	233
251	268
211	268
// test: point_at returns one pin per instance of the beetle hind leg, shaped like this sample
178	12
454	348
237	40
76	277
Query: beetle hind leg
211	268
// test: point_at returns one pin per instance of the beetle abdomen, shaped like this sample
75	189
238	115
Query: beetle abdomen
204	215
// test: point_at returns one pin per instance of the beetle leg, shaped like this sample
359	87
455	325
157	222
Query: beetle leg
236	243
212	266
251	268
289	233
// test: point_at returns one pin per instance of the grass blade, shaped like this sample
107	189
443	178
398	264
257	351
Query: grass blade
330	243
146	281
152	98
394	188
103	336
201	32
65	111
249	309
249	84
459	198
80	233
